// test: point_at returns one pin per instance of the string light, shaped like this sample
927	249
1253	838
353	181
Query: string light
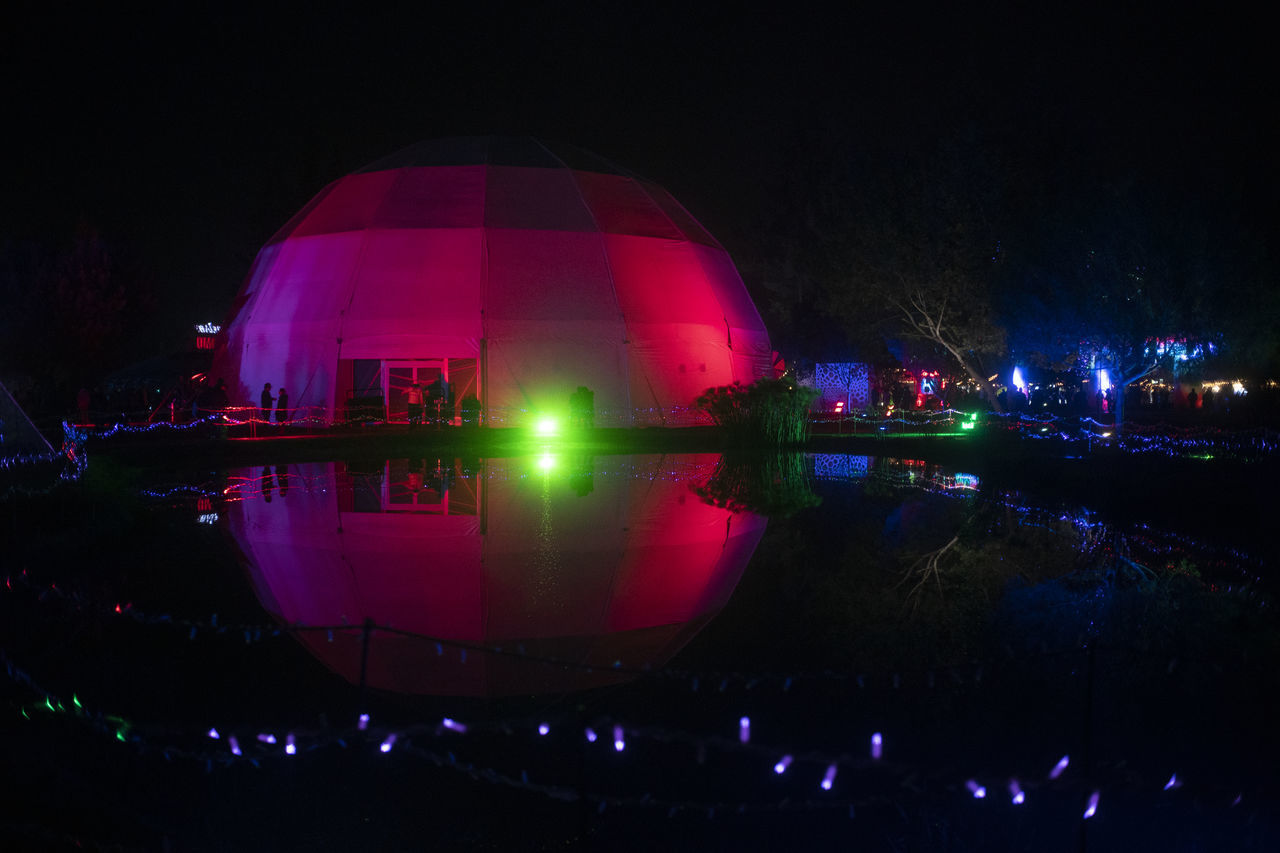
619	739
877	746
120	729
1059	767
744	730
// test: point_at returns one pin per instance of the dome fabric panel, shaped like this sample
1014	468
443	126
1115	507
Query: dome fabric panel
433	198
350	205
387	284
621	206
547	276
543	199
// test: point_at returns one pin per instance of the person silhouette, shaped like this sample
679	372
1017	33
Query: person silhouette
264	403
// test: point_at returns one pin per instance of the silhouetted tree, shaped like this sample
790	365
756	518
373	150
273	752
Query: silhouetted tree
72	315
914	253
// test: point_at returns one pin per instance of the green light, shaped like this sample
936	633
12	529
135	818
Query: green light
546	426
76	701
24	712
49	704
968	425
546	462
120	735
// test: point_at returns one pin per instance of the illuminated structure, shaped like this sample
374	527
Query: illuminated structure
517	269
590	563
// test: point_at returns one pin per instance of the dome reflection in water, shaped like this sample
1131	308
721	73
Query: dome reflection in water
582	570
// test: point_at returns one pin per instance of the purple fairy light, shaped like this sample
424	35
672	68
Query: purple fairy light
1059	767
619	739
829	779
266	738
877	746
388	743
977	790
544	729
235	745
783	763
591	735
1173	782
744	730
363	723
290	746
1016	793
1092	808
453	725
213	733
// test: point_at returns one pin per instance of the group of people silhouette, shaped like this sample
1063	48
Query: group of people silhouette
265	402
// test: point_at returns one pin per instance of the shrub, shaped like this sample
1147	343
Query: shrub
768	411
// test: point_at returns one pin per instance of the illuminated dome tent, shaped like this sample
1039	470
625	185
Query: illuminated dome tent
519	269
602	562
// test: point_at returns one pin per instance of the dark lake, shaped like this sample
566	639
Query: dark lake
631	652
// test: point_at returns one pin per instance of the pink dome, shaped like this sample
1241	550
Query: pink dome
519	270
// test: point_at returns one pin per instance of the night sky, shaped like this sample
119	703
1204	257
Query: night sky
189	137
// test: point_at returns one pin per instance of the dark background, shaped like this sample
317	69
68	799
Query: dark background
187	136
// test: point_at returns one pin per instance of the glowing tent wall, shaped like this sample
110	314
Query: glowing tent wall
497	251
